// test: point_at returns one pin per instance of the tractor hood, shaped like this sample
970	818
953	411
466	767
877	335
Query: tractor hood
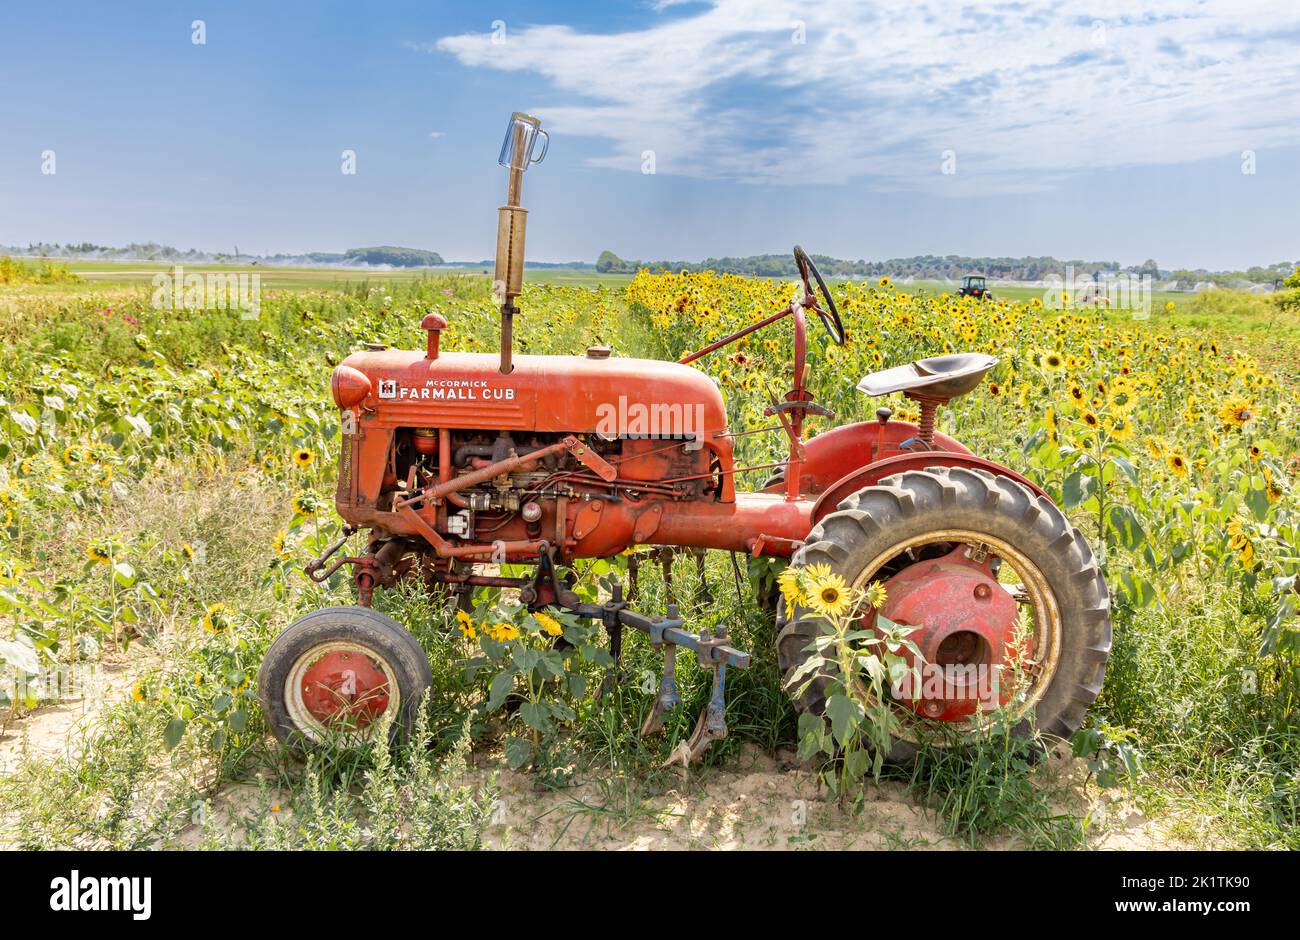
606	396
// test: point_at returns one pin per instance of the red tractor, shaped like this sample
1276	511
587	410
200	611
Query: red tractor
455	462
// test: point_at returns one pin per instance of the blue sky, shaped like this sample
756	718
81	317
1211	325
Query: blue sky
1076	129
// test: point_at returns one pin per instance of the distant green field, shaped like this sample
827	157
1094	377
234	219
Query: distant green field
128	273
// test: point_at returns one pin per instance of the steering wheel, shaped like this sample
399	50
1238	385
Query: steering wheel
831	321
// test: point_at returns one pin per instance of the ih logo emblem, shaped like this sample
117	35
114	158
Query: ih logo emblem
388	388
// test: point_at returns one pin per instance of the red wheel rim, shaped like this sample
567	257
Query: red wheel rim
340	687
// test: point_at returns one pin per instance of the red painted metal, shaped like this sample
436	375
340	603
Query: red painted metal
345	686
403	390
964	627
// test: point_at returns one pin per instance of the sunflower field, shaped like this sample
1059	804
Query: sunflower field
164	475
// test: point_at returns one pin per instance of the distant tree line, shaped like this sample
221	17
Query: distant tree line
935	267
151	251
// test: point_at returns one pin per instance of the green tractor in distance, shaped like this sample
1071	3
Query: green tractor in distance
973	285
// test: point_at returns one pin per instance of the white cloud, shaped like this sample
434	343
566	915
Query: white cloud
1024	93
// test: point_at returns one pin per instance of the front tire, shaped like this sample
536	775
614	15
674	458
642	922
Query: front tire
337	673
902	511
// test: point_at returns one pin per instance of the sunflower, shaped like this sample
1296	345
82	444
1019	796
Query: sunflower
1241	544
1236	411
1121	397
995	389
876	595
549	624
303	457
98	552
817	571
828	595
791	590
1177	463
1271	488
502	632
884	283
306	504
1090	419
1053	362
1119	427
138	691
217	619
1077	394
277	545
187	551
465	623
270	463
1256	452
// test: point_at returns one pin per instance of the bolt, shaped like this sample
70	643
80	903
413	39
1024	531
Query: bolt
933	709
982	591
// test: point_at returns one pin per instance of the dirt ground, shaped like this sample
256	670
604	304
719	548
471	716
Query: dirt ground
758	802
58	729
766	803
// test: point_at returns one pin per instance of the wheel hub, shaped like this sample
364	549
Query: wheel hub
345	686
964	623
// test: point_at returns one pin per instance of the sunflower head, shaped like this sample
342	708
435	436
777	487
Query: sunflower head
1237	411
1119	427
304	457
306	504
829	595
548	623
1176	463
217	619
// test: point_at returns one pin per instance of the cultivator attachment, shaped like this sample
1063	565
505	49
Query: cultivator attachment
711	650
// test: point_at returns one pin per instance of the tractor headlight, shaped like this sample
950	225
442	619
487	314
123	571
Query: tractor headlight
349	386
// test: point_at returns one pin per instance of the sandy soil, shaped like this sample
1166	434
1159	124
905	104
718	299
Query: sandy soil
767	803
758	802
56	729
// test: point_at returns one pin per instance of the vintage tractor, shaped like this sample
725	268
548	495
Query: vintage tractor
458	463
974	285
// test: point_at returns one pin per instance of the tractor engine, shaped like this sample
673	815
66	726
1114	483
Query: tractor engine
582	453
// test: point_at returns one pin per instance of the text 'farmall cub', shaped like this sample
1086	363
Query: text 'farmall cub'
460	462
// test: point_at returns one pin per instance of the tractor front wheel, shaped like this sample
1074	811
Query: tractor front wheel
990	576
337	674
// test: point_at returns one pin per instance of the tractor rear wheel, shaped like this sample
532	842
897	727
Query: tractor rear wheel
929	536
335	674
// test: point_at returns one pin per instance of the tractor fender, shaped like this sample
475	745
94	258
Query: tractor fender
875	472
833	454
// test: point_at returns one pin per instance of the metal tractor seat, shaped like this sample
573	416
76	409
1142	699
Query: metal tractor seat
938	378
